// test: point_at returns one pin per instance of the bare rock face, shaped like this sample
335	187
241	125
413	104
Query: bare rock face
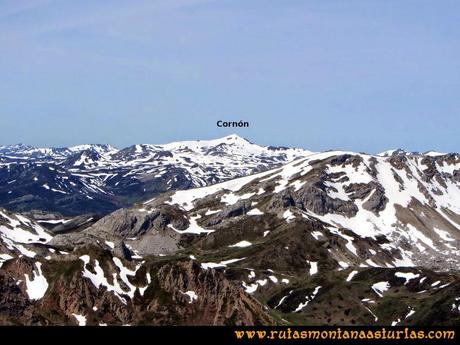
399	162
177	293
127	223
79	222
73	241
213	299
120	250
158	242
377	200
430	170
13	300
358	190
124	223
309	243
315	198
238	209
281	200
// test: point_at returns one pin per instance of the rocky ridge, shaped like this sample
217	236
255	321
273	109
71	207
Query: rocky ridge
99	179
333	238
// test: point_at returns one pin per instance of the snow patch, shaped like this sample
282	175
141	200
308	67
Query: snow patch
380	287
207	265
255	212
242	244
193	227
407	276
192	295
36	287
351	275
81	319
308	299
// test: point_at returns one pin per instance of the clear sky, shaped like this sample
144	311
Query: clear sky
363	75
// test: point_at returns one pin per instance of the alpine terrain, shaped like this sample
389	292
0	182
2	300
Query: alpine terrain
99	178
330	238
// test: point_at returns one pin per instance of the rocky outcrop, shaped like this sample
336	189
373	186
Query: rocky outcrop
315	198
75	241
238	209
214	299
128	223
177	293
100	179
338	239
376	201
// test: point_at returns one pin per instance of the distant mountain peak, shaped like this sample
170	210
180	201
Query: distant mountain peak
399	152
394	152
101	178
329	231
435	153
235	137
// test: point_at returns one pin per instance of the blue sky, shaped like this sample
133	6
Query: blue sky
362	75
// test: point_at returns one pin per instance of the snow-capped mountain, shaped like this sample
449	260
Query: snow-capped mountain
29	152
331	238
400	152
100	178
411	204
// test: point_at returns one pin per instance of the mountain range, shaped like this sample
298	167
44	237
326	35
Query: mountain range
328	238
100	179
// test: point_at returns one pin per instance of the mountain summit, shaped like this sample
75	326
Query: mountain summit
99	178
332	238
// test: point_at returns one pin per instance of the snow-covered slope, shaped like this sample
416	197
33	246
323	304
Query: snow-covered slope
410	202
100	178
18	234
336	238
